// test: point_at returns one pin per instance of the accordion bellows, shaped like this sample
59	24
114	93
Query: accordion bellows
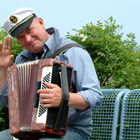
27	116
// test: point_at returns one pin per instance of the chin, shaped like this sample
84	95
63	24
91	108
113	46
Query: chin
37	50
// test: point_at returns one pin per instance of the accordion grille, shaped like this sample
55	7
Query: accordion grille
42	111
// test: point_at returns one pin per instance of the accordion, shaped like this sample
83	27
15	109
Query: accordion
27	116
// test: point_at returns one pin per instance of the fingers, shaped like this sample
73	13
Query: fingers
45	91
51	96
50	85
7	44
47	100
46	96
6	57
51	88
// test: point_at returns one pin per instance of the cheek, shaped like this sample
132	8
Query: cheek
36	35
39	32
22	42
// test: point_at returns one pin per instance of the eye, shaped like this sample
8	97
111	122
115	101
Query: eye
30	30
20	37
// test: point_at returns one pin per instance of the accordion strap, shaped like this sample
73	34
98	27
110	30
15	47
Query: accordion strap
65	98
64	82
64	49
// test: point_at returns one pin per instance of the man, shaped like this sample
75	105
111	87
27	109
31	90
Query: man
39	43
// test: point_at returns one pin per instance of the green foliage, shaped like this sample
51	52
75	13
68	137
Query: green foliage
4	121
116	62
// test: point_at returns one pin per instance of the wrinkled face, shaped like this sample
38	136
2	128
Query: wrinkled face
34	37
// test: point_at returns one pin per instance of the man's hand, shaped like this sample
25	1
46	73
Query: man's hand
51	96
6	58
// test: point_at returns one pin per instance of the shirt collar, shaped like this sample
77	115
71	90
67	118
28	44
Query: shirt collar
52	44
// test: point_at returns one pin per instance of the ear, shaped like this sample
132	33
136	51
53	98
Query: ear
41	22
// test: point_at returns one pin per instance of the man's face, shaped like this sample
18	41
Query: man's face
34	37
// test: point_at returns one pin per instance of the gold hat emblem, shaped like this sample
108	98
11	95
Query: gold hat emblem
13	19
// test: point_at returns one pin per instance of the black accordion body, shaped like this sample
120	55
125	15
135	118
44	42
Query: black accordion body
27	116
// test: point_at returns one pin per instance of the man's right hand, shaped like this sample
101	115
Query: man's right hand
6	59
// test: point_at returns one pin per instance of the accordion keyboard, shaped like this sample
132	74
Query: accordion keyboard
42	111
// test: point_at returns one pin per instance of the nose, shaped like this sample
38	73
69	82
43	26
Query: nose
28	37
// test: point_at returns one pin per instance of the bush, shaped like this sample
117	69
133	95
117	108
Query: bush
116	62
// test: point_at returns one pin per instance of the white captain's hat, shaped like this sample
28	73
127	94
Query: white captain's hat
19	20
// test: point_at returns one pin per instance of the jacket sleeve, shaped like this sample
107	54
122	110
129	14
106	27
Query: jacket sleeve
87	82
3	97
